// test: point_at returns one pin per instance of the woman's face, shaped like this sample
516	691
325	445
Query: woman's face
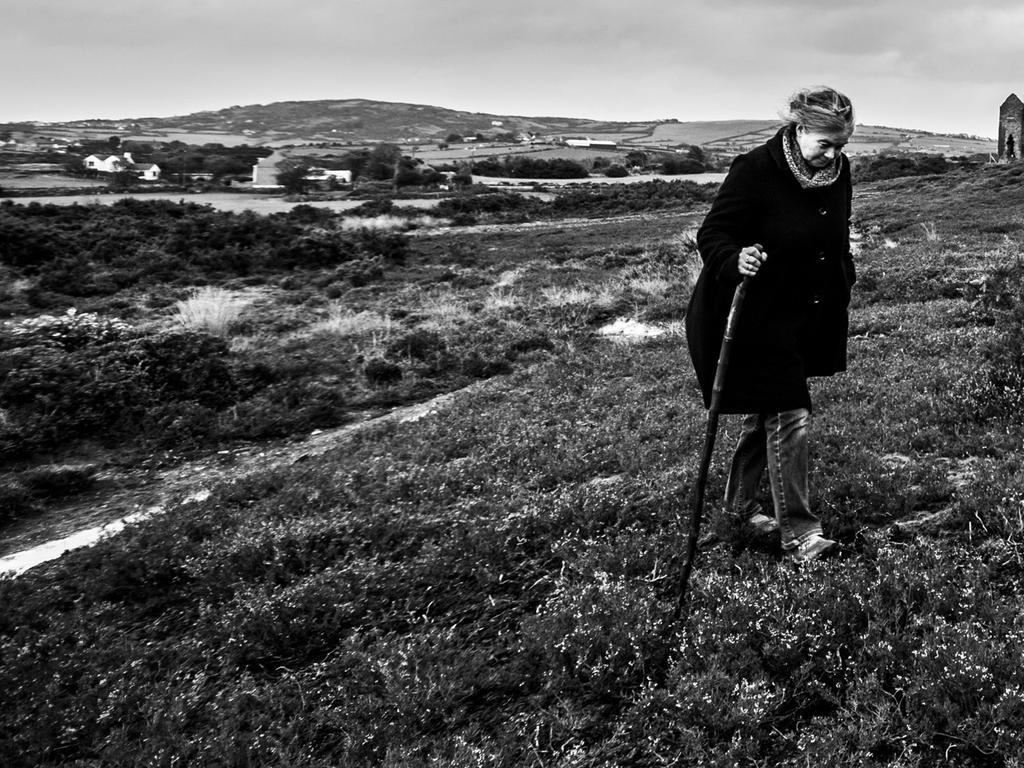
820	149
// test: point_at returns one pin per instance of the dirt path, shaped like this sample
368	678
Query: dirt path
135	495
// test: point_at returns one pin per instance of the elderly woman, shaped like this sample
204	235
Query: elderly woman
782	218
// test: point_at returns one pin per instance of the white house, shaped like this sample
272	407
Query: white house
264	172
323	174
114	164
588	142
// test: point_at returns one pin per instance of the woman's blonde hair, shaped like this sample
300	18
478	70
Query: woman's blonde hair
819	108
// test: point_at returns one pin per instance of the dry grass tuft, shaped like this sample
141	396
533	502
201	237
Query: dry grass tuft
599	296
210	309
500	301
931	234
443	312
649	281
345	322
509	277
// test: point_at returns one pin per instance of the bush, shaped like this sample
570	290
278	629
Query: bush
891	166
996	389
530	168
15	500
68	332
674	165
616	172
381	372
72	251
59	479
418	344
79	377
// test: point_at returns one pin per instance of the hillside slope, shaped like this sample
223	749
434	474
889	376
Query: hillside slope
492	584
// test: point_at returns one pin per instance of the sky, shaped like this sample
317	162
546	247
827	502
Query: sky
934	65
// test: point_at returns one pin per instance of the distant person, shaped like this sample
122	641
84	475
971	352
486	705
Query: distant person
782	218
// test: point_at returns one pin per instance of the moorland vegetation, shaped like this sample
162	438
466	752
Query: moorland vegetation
492	585
119	351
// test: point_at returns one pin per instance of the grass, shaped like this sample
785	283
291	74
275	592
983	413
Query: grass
441	312
346	322
493	584
580	295
210	309
388	222
650	281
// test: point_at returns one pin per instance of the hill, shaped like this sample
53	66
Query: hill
363	121
492	583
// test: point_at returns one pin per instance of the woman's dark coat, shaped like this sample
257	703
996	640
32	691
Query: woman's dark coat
794	320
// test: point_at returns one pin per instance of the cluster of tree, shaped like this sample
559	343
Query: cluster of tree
893	165
519	167
668	163
612	199
595	200
384	162
176	159
458	138
673	165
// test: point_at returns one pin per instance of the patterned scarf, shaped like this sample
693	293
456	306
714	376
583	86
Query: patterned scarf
809	178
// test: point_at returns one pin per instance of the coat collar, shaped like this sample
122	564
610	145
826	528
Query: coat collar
776	151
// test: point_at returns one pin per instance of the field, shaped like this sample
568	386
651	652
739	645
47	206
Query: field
232	202
867	140
20	181
492	584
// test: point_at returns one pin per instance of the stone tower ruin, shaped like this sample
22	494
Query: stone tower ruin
1011	122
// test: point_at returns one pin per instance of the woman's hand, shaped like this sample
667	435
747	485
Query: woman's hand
751	259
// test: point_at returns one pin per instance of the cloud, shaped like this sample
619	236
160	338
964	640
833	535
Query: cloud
703	59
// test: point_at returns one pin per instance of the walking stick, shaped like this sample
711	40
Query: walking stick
709	439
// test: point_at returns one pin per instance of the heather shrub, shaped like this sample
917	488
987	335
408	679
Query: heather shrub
80	377
380	372
59	479
68	332
996	389
419	344
16	500
97	251
891	165
492	584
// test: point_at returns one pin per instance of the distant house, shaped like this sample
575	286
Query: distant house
115	164
590	143
323	174
97	163
264	172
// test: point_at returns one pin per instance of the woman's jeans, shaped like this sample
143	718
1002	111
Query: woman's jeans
777	441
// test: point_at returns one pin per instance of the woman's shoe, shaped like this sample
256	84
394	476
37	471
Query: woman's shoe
811	548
